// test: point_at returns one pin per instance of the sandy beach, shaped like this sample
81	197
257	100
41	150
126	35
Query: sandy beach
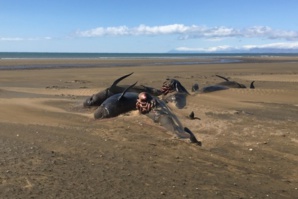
52	147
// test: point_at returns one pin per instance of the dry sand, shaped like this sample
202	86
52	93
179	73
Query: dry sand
51	147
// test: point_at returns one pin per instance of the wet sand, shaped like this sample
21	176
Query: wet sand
51	147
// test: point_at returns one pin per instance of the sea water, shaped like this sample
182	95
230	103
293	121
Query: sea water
184	58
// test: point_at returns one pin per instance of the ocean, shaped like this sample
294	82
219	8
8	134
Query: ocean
178	58
38	55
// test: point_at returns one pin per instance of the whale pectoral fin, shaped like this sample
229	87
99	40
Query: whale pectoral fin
223	78
240	85
121	96
192	138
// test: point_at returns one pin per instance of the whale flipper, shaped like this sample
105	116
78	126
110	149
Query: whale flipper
121	96
223	78
252	86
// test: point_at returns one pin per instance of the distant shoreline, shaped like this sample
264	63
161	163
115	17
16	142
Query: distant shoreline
65	55
56	63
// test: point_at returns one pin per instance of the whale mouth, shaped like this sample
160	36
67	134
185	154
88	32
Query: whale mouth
88	102
101	112
92	101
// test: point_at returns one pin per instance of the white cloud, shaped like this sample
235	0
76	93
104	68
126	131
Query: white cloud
139	30
11	39
115	31
292	45
226	48
156	30
24	39
209	49
191	32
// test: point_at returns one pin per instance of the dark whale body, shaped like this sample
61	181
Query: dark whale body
212	88
161	114
98	98
225	85
233	84
117	104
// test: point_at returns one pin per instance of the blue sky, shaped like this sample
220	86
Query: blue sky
147	26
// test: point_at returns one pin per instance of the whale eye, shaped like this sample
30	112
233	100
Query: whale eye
91	99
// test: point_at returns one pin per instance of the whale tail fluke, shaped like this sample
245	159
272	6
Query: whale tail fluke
192	138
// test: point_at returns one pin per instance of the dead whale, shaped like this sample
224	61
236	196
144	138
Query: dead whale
98	98
225	85
233	84
158	111
212	88
173	91
117	104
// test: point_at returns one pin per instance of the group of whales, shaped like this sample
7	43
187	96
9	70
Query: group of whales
119	99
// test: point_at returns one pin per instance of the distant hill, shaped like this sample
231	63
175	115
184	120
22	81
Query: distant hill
252	50
272	50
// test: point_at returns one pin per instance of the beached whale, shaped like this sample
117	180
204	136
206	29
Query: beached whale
158	111
225	85
212	88
233	84
173	91
117	104
98	98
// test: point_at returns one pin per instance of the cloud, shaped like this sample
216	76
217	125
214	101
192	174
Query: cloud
292	45
191	32
139	30
209	49
282	47
11	39
24	39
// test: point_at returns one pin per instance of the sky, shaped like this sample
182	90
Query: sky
147	26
